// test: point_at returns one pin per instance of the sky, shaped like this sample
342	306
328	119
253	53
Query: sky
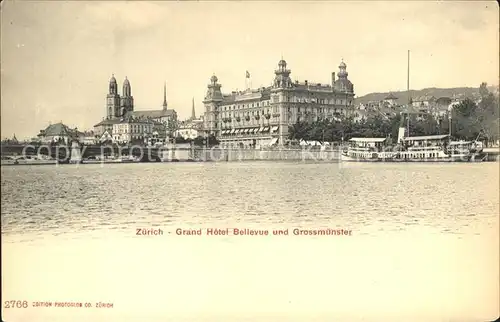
57	57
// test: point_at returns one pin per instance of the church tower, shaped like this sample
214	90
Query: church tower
165	97
193	112
127	100
112	99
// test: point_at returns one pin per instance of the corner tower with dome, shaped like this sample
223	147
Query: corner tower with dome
262	116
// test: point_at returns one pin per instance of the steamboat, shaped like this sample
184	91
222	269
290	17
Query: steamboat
431	148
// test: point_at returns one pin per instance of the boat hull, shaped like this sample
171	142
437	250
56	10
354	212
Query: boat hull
458	158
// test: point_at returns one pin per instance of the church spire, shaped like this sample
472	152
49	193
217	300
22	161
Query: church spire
193	113
165	96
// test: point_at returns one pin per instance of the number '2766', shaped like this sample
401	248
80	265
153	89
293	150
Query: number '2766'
16	304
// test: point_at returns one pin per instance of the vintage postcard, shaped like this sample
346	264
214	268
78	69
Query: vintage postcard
257	161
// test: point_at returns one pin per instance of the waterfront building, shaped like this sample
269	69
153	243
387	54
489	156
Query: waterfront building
105	137
189	131
57	133
61	133
87	137
119	108
131	130
261	117
190	128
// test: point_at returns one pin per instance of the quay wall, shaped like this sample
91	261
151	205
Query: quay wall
227	154
184	153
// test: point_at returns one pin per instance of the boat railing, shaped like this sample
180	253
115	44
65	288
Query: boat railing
425	148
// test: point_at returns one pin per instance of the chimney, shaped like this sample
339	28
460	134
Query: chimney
333	78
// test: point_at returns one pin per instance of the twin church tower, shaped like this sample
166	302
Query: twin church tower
118	106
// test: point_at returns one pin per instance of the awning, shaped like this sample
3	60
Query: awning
232	131
428	137
265	129
368	139
224	131
237	131
273	141
274	129
260	129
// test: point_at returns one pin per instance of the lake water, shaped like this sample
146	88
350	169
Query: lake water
424	241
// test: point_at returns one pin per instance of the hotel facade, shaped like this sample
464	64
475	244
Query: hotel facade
261	117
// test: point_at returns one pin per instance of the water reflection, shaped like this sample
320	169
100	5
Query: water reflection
364	197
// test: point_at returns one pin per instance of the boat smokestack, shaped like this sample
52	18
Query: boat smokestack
401	134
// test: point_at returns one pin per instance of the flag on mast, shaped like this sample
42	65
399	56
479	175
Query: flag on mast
247	74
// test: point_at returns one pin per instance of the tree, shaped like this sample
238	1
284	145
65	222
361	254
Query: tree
487	114
211	140
483	90
465	108
172	127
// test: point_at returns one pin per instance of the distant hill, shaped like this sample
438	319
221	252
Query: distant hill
402	96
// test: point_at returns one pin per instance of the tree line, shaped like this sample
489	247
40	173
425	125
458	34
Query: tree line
468	121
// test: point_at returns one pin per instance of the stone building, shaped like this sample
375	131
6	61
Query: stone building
58	133
261	117
131	129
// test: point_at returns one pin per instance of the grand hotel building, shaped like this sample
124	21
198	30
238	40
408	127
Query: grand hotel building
261	117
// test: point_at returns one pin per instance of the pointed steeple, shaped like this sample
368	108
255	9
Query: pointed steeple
193	113
165	96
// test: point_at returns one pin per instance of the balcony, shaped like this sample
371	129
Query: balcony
250	132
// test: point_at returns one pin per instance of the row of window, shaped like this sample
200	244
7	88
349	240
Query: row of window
275	111
244	106
296	99
293	99
133	137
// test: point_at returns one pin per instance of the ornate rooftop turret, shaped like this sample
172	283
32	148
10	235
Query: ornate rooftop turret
342	84
213	91
282	78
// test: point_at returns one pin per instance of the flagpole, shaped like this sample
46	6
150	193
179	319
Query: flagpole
408	93
248	82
